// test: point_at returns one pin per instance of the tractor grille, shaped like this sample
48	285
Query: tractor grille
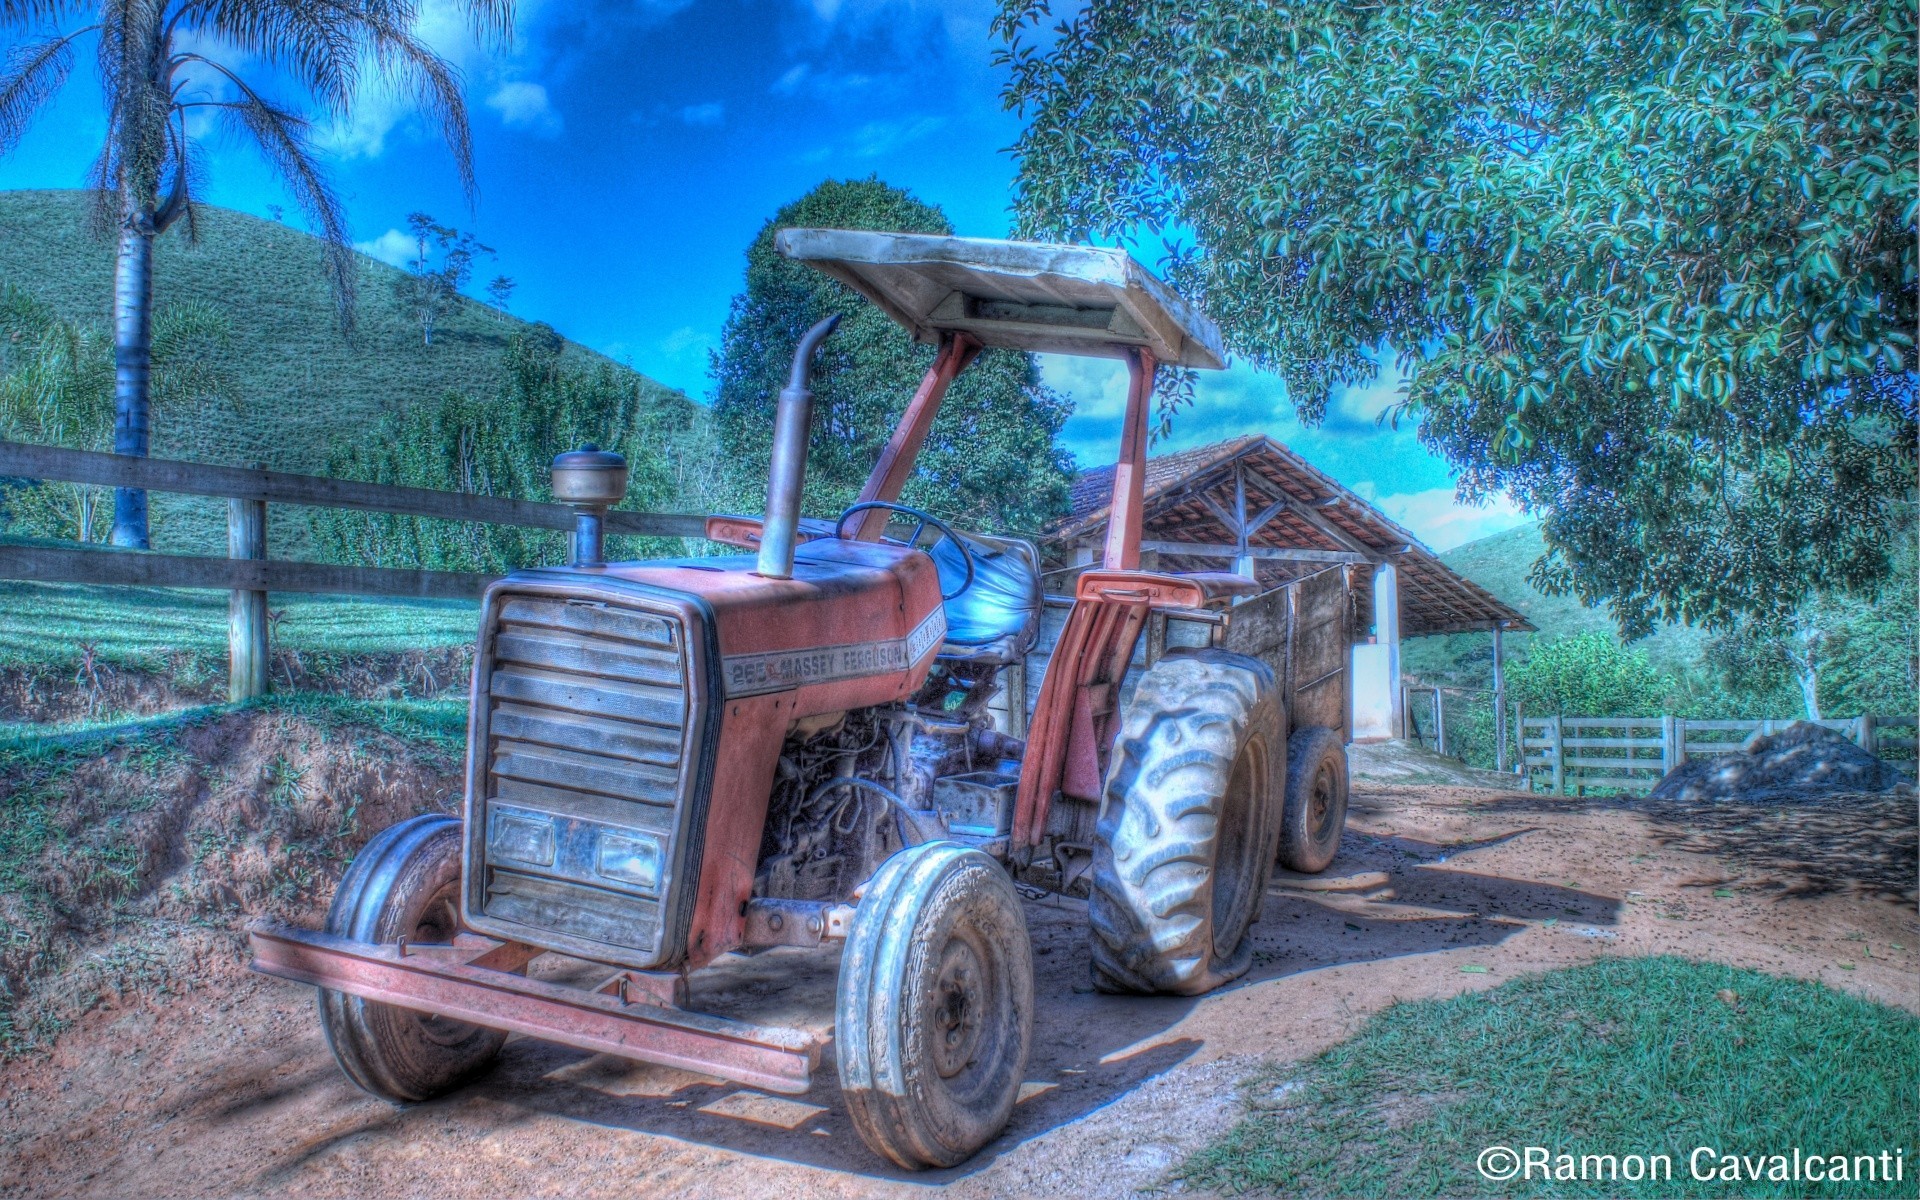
584	787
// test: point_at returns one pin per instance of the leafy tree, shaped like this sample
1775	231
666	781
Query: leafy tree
152	56
1588	675
989	462
502	446
500	291
56	388
1838	655
441	265
1648	266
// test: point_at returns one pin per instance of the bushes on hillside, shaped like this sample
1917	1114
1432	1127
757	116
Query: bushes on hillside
504	446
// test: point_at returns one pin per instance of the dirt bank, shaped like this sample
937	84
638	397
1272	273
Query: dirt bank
226	1087
124	864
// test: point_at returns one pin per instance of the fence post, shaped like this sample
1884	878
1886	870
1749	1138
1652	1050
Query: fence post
1520	745
1559	757
1866	734
1669	754
246	611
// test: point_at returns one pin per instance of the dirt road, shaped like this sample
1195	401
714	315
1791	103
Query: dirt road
228	1089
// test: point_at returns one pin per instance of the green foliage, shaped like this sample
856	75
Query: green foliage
297	388
1588	675
441	265
989	462
1621	1056
1649	268
56	388
1847	654
504	446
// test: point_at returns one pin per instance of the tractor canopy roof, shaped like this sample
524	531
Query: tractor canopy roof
1085	300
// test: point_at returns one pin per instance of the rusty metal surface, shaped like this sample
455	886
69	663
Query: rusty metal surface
436	980
1130	473
1061	299
588	767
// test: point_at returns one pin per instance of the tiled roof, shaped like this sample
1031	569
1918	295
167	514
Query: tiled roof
1434	597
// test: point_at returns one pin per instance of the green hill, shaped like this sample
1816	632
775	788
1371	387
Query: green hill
1500	564
298	383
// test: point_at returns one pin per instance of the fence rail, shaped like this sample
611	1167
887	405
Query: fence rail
247	572
1632	754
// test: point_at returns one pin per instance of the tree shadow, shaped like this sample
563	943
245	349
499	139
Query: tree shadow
1089	1049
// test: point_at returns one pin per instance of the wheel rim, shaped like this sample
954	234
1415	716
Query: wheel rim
1320	805
1234	850
960	1009
438	923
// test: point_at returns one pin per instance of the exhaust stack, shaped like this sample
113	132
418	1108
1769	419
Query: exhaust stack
792	424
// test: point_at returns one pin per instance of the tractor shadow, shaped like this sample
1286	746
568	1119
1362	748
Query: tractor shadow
1088	1050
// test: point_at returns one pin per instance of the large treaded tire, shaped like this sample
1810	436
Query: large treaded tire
1186	839
1316	810
935	1009
405	883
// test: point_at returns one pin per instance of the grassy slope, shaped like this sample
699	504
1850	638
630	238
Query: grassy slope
1622	1056
299	384
1500	564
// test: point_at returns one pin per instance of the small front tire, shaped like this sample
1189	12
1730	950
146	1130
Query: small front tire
404	884
935	1011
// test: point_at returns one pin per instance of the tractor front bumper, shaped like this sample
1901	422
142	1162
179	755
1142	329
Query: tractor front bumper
475	979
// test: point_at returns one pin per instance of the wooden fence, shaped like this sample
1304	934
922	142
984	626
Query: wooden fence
247	572
1631	754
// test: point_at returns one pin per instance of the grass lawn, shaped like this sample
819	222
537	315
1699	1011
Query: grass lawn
48	624
1631	1056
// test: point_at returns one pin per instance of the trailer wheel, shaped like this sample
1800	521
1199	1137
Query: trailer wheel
1185	842
1316	809
935	1010
404	884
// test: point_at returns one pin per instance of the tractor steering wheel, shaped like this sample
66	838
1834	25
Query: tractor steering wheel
922	522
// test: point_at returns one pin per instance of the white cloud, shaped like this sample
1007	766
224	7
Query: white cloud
712	113
524	105
791	79
1438	518
392	247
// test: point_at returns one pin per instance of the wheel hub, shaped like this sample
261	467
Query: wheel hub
959	1002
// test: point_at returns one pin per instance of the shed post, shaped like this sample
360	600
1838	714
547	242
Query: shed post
246	611
1500	705
1386	624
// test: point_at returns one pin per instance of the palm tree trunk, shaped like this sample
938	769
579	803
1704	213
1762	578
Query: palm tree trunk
133	361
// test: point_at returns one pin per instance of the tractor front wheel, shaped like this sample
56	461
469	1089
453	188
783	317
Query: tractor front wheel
404	884
935	1009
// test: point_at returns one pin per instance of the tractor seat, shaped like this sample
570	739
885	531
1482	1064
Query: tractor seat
998	618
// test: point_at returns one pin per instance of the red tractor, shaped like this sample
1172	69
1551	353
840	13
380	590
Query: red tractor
672	761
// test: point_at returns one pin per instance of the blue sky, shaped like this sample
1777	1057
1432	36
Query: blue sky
627	153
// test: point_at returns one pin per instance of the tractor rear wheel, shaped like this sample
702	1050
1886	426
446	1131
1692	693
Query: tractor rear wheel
935	1010
404	884
1316	808
1187	831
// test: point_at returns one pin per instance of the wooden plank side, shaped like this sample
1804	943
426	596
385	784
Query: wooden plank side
1321	645
130	568
27	461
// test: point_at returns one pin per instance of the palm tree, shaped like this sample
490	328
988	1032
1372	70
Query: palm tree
152	56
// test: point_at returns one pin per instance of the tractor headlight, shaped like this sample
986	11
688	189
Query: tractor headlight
571	848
